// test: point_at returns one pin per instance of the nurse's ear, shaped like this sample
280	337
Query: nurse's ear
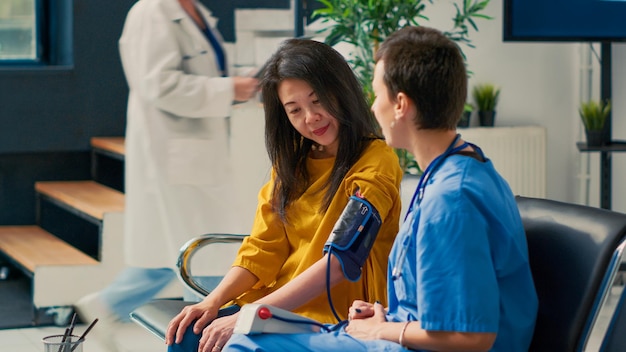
404	108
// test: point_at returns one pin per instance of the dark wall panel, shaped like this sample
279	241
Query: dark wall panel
19	172
60	108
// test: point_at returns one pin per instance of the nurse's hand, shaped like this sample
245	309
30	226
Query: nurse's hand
360	310
368	328
215	336
204	312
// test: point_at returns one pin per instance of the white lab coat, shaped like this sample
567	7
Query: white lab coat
178	178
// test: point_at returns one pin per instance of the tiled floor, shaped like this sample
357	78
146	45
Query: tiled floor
130	337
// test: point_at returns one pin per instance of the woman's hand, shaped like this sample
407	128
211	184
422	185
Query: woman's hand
204	312
237	281
367	328
215	336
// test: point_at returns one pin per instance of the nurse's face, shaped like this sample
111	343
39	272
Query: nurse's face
383	107
307	115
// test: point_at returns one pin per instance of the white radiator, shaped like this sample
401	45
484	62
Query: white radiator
518	153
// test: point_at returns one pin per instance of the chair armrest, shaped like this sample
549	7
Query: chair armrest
188	250
156	315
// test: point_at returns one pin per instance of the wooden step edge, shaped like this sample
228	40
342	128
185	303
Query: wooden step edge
30	246
115	145
88	197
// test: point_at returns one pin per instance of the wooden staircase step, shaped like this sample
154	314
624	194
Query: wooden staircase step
107	161
30	246
114	145
88	197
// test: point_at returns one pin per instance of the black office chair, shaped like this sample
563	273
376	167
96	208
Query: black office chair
156	315
574	252
615	338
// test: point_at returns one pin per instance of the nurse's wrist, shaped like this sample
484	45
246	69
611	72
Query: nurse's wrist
401	340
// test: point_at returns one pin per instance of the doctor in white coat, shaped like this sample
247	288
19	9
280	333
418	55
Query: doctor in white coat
178	181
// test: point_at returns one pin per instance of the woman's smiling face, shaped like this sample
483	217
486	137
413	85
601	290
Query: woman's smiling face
307	115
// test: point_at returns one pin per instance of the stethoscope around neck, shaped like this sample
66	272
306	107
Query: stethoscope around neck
418	195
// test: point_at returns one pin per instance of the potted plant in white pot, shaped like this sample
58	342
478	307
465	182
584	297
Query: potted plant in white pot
366	23
486	97
594	115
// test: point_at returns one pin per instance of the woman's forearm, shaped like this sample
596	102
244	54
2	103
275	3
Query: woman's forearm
236	281
306	286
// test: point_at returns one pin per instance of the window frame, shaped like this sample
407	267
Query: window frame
54	40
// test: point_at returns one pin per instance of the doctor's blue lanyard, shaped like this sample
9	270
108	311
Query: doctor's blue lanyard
220	56
217	48
419	195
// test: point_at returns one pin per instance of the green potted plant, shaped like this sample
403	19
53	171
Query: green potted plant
464	121
486	97
366	23
594	115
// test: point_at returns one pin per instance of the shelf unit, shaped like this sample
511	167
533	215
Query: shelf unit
605	151
605	167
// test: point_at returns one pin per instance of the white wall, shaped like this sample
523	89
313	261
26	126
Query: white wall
542	84
539	84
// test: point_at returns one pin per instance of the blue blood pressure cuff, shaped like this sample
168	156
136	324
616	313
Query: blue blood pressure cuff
353	235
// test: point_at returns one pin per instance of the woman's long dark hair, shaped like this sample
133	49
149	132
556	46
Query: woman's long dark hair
338	91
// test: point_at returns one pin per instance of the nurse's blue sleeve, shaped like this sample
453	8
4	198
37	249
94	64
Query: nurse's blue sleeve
456	282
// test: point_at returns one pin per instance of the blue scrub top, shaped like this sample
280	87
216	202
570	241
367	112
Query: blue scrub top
465	262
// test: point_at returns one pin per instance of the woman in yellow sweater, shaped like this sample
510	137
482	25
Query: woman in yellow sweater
322	152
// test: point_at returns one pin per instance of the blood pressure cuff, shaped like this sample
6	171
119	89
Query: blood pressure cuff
353	235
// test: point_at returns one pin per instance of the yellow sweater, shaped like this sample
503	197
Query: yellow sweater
276	252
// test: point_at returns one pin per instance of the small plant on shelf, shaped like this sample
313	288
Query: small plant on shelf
486	97
594	115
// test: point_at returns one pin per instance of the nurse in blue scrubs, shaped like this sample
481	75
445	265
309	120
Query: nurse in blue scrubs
458	275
